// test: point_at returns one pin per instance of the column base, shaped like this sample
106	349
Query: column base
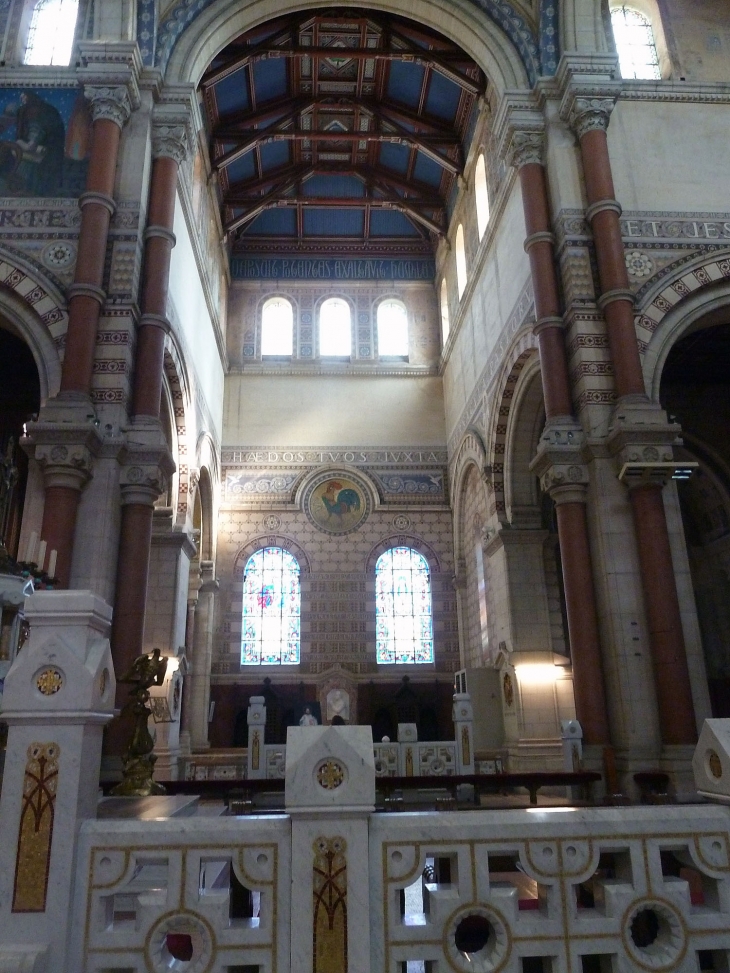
526	756
167	766
677	762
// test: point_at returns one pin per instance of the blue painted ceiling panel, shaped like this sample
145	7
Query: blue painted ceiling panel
231	94
443	97
426	170
274	222
385	222
394	157
404	82
241	169
333	222
270	79
274	155
346	186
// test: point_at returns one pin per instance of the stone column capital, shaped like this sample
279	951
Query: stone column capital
519	129
65	455
110	75
559	463
588	109
173	124
642	440
170	142
113	103
146	465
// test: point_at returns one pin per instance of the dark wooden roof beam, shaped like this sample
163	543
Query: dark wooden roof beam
266	201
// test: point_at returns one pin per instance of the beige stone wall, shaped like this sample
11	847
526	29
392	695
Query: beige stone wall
474	517
698	38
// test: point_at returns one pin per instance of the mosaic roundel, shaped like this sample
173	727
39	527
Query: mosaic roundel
336	503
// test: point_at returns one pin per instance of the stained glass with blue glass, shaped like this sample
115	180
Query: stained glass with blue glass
404	626
271	609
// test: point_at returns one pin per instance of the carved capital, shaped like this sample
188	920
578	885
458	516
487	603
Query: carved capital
111	103
559	464
526	148
171	142
641	441
587	114
142	482
64	464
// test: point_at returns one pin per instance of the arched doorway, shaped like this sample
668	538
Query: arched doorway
695	390
20	399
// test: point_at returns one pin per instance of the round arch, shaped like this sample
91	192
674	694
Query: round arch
402	540
24	322
524	425
462	21
269	540
471	455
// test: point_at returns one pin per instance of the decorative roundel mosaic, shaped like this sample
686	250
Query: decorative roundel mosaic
337	503
49	680
59	255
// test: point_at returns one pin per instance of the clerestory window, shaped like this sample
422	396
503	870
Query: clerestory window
635	43
51	32
481	195
271	609
403	616
335	328
445	322
277	327
392	329
461	276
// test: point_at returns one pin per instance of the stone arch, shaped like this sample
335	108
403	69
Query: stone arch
177	385
523	348
202	492
35	310
269	540
471	455
402	540
524	425
495	34
672	304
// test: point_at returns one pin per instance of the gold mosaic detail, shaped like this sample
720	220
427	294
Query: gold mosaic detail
330	775
329	905
49	681
33	857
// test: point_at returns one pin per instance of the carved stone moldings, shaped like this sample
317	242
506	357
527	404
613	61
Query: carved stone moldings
112	103
526	148
65	455
586	114
170	141
559	463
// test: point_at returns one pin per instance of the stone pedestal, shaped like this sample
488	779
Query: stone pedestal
330	794
463	715
59	693
202	652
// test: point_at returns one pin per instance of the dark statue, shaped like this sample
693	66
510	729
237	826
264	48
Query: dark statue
138	762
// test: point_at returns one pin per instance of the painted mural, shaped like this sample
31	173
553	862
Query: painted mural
337	505
45	141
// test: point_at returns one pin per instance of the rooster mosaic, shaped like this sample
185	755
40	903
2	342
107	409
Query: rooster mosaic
339	502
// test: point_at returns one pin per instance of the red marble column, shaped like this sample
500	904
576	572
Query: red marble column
582	615
142	488
589	118
669	658
616	299
110	109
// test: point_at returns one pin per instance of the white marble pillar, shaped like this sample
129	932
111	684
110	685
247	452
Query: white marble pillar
59	694
463	716
256	720
202	654
330	794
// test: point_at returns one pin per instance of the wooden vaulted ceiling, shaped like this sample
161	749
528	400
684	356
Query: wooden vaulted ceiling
346	128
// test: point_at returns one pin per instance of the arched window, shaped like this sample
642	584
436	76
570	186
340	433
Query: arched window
392	329
460	261
51	32
335	337
271	609
635	43
445	323
481	195
277	327
403	623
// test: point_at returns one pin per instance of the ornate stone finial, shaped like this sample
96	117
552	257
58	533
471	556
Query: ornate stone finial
170	141
112	103
526	148
139	760
590	114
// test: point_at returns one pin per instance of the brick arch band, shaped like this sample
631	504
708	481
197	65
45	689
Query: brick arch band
269	540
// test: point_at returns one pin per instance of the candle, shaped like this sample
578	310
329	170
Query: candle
30	550
52	564
42	554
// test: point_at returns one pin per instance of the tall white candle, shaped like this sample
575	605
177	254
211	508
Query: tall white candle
41	554
30	550
52	564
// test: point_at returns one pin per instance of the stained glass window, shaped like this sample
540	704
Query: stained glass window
403	625
271	609
51	32
635	44
277	327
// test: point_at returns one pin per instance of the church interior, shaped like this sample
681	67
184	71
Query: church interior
364	368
